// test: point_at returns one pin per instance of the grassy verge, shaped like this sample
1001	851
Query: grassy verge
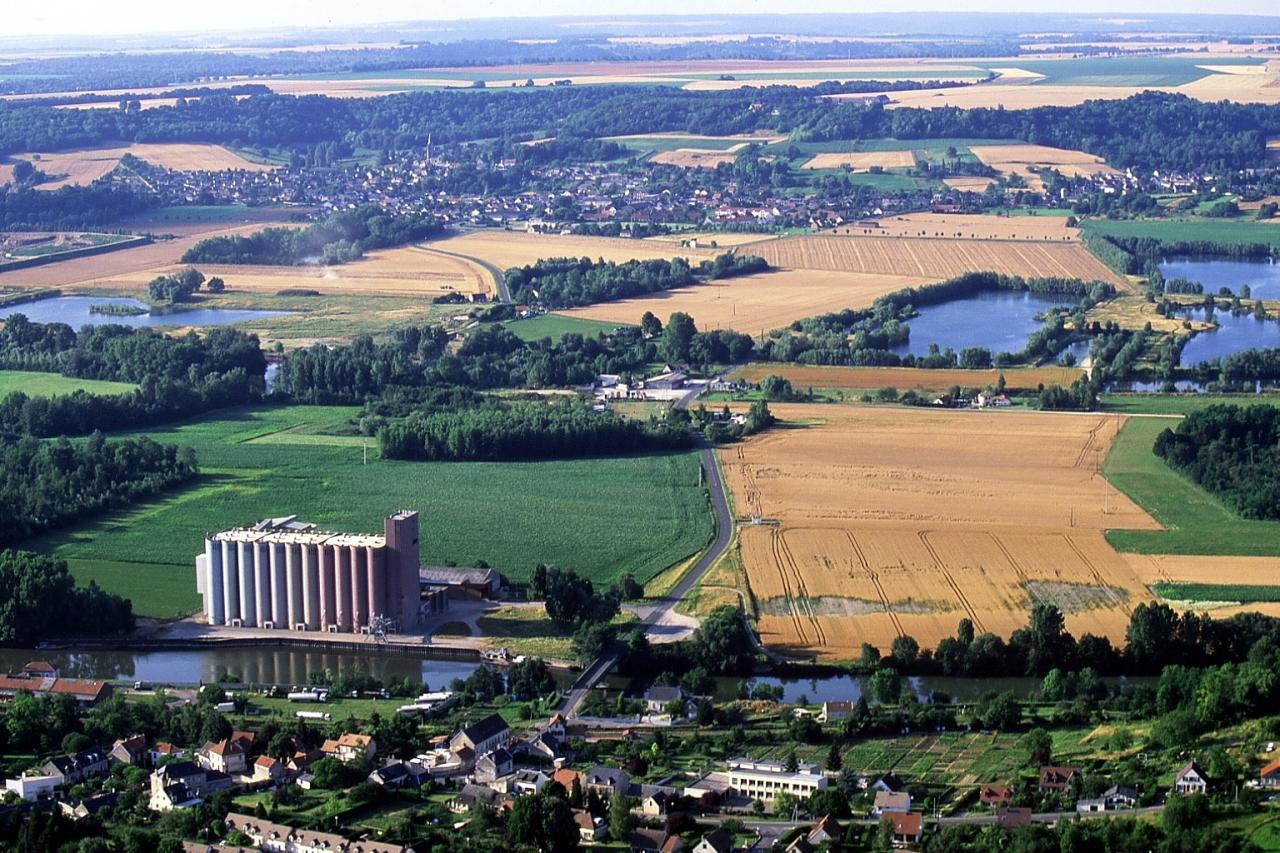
528	631
1178	404
1195	522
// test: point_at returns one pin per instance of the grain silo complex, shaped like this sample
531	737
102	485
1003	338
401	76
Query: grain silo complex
285	574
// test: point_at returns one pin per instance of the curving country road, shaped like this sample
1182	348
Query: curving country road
499	279
658	612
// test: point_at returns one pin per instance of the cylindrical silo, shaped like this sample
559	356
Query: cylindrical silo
213	583
262	580
279	587
230	583
293	559
359	590
376	573
328	614
248	611
342	571
311	585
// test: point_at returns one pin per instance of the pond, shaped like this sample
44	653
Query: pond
1234	334
1000	320
74	311
1261	274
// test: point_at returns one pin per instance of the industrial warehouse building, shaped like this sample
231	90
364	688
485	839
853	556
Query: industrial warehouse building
286	574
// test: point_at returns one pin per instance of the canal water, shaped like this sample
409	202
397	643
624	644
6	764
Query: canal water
1000	320
74	311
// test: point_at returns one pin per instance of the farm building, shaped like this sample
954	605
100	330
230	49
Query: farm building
286	574
482	583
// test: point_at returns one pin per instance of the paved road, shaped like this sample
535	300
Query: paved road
499	280
724	535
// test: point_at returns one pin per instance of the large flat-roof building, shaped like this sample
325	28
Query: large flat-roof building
285	574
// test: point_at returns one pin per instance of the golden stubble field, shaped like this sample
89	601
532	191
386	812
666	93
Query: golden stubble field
506	249
935	258
860	161
758	303
87	165
974	227
1021	159
878	522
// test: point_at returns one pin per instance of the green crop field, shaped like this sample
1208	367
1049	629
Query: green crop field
1174	230
1179	404
35	384
1126	70
1195	521
1243	593
600	517
556	326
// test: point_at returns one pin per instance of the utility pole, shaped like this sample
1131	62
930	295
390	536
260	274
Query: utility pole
365	445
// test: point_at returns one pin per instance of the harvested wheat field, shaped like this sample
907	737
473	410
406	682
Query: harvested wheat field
933	257
860	161
1022	159
758	303
880	522
906	378
721	239
961	226
87	166
405	271
506	249
1181	568
969	183
694	158
126	268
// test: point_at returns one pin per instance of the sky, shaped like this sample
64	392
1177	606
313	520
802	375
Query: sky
90	17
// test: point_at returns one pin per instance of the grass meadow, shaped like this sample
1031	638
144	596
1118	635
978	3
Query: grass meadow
35	384
600	517
556	326
1195	521
1175	230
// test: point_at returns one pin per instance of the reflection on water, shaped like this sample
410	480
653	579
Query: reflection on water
1000	320
1261	274
1233	335
250	665
74	311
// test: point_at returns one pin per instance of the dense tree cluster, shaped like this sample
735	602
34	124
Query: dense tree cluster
1147	131
535	430
68	208
39	599
47	483
175	287
571	282
342	237
177	375
1233	452
570	599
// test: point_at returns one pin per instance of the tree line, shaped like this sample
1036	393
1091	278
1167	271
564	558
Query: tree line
47	483
1232	452
39	599
177	376
341	237
535	430
1146	131
571	282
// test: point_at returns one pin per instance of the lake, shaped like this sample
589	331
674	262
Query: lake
1261	274
1000	320
1234	334
74	311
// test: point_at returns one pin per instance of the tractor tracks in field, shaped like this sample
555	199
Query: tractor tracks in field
875	582
951	582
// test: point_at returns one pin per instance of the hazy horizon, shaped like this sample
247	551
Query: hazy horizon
82	18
